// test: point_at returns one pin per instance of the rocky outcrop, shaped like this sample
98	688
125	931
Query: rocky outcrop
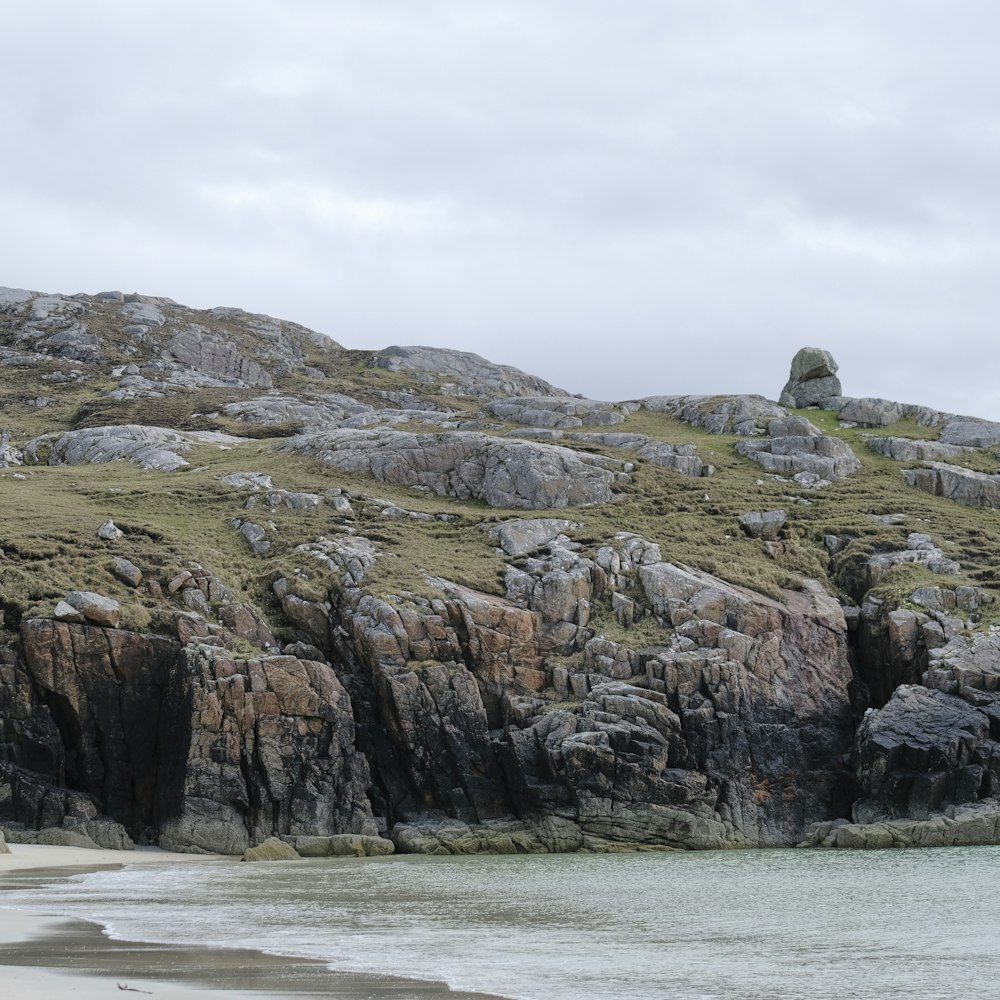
504	473
812	379
794	445
342	845
271	751
571	687
964	486
954	826
199	349
156	448
463	373
681	457
190	748
556	411
117	719
314	411
743	415
923	750
914	450
971	432
655	746
875	412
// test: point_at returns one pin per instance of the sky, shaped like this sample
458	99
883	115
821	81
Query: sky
649	197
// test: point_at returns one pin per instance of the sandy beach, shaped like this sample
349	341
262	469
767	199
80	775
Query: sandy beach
46	957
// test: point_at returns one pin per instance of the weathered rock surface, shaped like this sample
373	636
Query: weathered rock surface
271	849
794	445
201	350
95	607
876	412
911	450
954	826
342	845
556	411
465	374
964	486
763	524
193	748
681	457
658	748
971	432
271	752
813	378
503	472
743	415
156	448
923	750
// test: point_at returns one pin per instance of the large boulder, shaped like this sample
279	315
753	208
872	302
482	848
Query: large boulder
812	379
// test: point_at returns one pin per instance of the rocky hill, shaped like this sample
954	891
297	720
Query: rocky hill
257	584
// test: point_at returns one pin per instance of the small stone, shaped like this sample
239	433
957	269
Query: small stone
109	531
67	613
127	572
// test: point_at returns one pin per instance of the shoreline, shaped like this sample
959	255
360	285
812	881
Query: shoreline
43	957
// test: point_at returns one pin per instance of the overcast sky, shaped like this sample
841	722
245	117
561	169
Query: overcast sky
650	196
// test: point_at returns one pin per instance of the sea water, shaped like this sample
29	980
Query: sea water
713	925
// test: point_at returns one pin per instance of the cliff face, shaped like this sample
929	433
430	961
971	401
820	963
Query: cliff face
256	584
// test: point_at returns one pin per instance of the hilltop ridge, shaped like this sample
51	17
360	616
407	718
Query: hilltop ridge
256	583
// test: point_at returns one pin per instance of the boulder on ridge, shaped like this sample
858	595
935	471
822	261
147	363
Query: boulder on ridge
813	378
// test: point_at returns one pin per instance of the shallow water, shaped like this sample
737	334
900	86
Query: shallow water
769	924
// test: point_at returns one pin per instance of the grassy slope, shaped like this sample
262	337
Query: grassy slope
172	520
49	521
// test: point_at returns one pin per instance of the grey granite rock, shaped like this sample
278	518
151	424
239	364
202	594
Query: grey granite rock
964	486
813	378
794	445
65	612
971	432
912	450
127	572
202	351
521	537
503	472
743	415
556	411
465	373
681	457
109	531
95	607
151	448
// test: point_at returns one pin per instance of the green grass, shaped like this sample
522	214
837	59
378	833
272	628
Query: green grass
50	518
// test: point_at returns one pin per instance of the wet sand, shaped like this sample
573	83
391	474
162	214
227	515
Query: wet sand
49	957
